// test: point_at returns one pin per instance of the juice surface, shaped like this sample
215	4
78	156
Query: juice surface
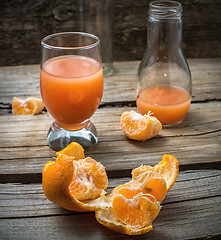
168	104
71	89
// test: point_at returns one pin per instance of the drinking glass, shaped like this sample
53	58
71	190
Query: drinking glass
71	82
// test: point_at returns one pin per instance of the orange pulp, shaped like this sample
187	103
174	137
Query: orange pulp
71	89
168	104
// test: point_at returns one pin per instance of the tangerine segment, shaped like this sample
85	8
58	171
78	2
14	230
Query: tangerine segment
140	171
128	191
137	212
107	219
138	127
152	183
148	183
74	149
168	168
56	178
26	106
89	179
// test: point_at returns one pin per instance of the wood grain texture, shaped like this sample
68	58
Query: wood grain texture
201	24
27	200
195	141
191	210
119	88
190	205
25	23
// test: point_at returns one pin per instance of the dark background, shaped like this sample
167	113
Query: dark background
23	23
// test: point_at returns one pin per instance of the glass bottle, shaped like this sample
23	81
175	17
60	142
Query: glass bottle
163	77
96	17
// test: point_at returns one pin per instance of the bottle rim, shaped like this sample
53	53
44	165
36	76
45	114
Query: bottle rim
164	9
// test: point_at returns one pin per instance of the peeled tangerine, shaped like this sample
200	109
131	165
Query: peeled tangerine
72	181
26	106
78	183
140	127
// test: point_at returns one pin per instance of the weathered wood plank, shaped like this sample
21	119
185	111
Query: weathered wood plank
25	23
198	31
196	220
196	140
28	200
31	130
119	88
189	211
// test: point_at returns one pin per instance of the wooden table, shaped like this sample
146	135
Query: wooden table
191	210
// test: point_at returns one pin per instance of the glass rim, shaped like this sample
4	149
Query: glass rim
83	47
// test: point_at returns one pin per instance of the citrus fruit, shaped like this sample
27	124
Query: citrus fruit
107	218
168	168
130	208
70	183
134	205
130	212
148	182
74	149
154	184
89	179
140	127
138	211
26	106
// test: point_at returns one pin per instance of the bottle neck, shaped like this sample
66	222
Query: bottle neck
164	25
164	34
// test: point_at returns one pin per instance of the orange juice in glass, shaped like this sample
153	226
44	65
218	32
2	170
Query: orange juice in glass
71	82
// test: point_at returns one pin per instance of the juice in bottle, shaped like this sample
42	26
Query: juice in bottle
164	82
168	104
71	89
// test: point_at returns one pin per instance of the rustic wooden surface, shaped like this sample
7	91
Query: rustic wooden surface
24	23
191	210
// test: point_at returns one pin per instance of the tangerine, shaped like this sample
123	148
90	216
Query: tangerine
74	149
130	208
26	106
138	211
168	168
140	127
148	182
68	182
89	179
130	211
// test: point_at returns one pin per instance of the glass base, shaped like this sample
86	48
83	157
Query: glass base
59	138
107	69
168	125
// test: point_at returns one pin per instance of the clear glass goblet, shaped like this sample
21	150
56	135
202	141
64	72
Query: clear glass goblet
71	82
